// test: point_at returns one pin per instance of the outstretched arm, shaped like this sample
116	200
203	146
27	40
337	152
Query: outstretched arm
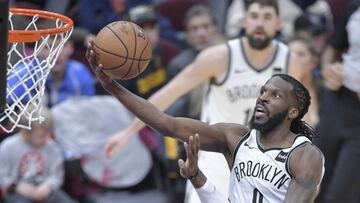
306	167
208	64
181	128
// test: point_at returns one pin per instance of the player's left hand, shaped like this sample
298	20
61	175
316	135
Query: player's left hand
190	166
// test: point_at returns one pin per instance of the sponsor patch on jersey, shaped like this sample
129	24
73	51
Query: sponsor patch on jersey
282	156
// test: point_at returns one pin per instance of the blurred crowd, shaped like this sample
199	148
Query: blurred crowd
82	116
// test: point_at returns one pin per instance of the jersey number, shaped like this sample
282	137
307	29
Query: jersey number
257	196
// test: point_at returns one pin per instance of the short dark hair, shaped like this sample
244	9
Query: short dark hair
303	102
304	38
198	10
271	3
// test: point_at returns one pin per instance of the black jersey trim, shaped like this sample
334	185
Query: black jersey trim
238	144
219	83
267	65
275	148
287	167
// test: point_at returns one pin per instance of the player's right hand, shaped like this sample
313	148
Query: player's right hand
333	76
96	68
116	143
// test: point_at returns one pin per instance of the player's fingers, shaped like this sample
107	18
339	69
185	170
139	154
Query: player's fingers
194	145
192	159
91	59
191	147
91	41
197	141
182	168
99	68
187	150
181	164
87	53
189	154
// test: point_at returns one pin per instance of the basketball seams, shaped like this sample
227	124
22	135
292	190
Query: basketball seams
120	57
126	48
132	62
142	52
119	38
104	50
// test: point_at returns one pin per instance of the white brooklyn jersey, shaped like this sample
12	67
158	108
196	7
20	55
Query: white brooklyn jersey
233	98
260	175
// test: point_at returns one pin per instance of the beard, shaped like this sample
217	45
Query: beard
259	44
271	124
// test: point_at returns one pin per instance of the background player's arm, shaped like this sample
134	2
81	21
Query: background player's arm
295	69
181	128
306	167
213	139
208	64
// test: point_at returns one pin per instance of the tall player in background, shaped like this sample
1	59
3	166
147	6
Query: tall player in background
235	72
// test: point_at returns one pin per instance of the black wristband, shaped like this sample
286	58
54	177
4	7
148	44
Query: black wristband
194	176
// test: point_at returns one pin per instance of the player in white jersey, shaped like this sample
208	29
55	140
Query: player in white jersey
232	98
261	23
259	173
282	103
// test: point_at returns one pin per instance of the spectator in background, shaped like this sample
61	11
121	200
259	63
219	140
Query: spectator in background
68	78
289	11
339	125
31	165
126	177
93	15
315	27
155	75
202	31
309	59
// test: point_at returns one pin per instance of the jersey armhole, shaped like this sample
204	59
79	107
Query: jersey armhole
222	79
238	144
287	163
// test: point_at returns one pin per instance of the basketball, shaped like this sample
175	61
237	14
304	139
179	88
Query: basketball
123	48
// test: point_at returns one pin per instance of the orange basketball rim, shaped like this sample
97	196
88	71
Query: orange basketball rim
35	35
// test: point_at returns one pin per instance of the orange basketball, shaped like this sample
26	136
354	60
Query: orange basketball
123	48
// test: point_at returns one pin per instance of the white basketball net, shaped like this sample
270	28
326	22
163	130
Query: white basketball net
29	65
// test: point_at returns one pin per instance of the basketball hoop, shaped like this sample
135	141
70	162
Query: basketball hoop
32	51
